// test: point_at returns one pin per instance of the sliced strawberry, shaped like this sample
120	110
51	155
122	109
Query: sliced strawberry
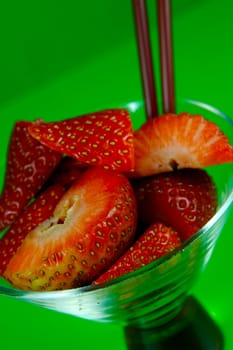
29	164
172	141
91	226
154	243
41	209
184	199
102	138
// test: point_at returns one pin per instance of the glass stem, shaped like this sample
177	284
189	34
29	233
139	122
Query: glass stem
191	329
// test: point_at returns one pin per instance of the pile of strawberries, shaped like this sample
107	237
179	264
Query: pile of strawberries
86	200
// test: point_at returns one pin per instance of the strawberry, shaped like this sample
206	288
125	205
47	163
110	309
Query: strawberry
38	211
184	199
29	164
154	243
103	138
91	226
173	141
66	173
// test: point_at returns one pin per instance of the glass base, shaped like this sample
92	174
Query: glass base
192	329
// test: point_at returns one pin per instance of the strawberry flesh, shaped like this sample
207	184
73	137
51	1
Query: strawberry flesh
93	223
40	210
103	138
171	142
29	165
154	243
184	199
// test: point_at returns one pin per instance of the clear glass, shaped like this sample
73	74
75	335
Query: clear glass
154	298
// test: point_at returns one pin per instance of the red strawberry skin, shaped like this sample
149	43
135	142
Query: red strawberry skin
154	243
173	141
184	199
92	225
40	210
103	138
29	164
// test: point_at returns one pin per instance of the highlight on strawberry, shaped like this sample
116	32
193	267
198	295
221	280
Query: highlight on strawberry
184	199
86	199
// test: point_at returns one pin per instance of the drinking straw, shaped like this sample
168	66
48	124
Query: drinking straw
145	56
166	55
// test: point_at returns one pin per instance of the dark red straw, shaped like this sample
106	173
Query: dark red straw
146	65
166	55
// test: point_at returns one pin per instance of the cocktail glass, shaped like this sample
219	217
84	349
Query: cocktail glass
154	304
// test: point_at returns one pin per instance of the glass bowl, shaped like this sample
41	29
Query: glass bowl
153	303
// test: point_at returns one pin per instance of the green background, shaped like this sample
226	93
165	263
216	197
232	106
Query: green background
59	59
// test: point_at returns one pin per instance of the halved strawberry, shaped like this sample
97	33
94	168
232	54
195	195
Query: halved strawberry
41	209
154	243
103	138
29	165
91	226
184	199
173	141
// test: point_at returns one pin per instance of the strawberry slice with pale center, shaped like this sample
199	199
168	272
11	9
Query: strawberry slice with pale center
92	225
103	138
157	241
40	210
173	141
29	165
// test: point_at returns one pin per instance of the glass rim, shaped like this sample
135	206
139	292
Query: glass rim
33	295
